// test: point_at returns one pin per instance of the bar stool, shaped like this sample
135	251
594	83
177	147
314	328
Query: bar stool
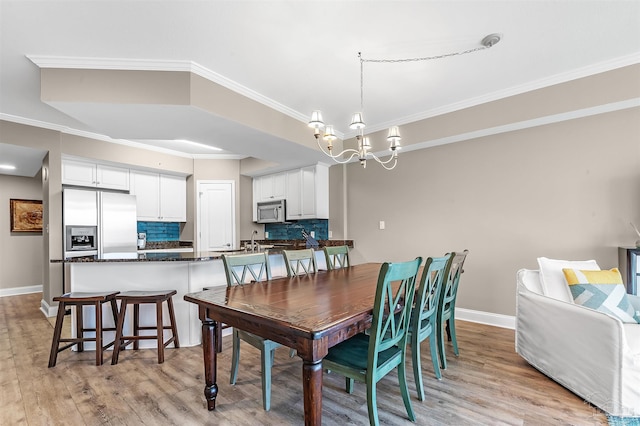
136	298
79	300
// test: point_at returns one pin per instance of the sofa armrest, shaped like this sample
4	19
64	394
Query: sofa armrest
578	347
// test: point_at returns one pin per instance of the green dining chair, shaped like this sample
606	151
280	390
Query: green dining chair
300	262
447	306
368	358
424	316
337	257
239	270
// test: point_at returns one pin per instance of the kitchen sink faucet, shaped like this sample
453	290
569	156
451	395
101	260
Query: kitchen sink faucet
253	243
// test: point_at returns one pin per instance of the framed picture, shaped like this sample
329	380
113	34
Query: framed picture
26	215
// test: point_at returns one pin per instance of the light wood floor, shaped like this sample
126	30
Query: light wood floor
489	384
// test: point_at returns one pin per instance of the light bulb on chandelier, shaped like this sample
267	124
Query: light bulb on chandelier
357	120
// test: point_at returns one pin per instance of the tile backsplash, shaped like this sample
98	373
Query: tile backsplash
160	231
292	231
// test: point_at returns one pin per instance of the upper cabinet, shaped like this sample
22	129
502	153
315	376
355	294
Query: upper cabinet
268	188
271	187
306	191
81	173
159	197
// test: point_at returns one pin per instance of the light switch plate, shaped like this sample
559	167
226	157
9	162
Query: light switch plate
382	224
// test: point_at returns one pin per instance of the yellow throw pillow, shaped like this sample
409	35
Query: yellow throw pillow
575	276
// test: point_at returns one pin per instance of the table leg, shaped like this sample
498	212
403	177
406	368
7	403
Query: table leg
209	328
312	391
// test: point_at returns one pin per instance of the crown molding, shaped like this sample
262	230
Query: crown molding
68	62
527	124
516	90
100	137
193	67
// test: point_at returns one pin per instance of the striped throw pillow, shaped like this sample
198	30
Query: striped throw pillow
602	291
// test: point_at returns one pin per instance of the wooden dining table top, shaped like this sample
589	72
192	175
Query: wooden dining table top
309	305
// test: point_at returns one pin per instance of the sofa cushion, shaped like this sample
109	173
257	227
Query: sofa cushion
602	291
553	282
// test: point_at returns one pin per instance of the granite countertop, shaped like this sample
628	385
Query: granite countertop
164	245
297	244
270	246
144	257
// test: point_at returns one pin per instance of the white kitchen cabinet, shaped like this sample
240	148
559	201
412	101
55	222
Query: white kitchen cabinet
159	197
308	193
294	193
268	188
82	173
271	187
173	198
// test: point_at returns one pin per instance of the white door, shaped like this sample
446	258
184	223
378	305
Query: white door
216	215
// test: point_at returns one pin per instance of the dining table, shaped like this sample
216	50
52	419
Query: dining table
308	313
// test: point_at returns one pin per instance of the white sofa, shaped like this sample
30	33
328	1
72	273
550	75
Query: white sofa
592	354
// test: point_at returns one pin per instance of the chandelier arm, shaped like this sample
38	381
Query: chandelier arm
390	159
384	163
353	154
336	157
389	168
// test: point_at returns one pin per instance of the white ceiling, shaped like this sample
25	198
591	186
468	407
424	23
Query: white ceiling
298	56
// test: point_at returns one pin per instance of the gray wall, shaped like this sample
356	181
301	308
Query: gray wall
566	190
21	254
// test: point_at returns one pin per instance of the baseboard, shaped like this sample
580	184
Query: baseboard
496	320
48	311
20	290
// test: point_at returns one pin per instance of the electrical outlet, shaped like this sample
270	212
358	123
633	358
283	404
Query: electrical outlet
382	224
330	234
313	234
266	234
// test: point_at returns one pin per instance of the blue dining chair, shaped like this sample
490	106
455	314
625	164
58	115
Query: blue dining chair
242	269
424	316
447	306
368	358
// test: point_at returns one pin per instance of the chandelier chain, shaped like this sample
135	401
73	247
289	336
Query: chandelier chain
393	61
361	82
364	148
426	58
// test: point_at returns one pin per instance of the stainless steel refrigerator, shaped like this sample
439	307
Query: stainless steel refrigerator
99	223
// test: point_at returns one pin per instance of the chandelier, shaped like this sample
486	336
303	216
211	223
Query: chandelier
363	152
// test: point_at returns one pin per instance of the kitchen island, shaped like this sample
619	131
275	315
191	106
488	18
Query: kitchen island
185	272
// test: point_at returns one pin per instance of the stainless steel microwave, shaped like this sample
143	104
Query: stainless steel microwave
271	211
